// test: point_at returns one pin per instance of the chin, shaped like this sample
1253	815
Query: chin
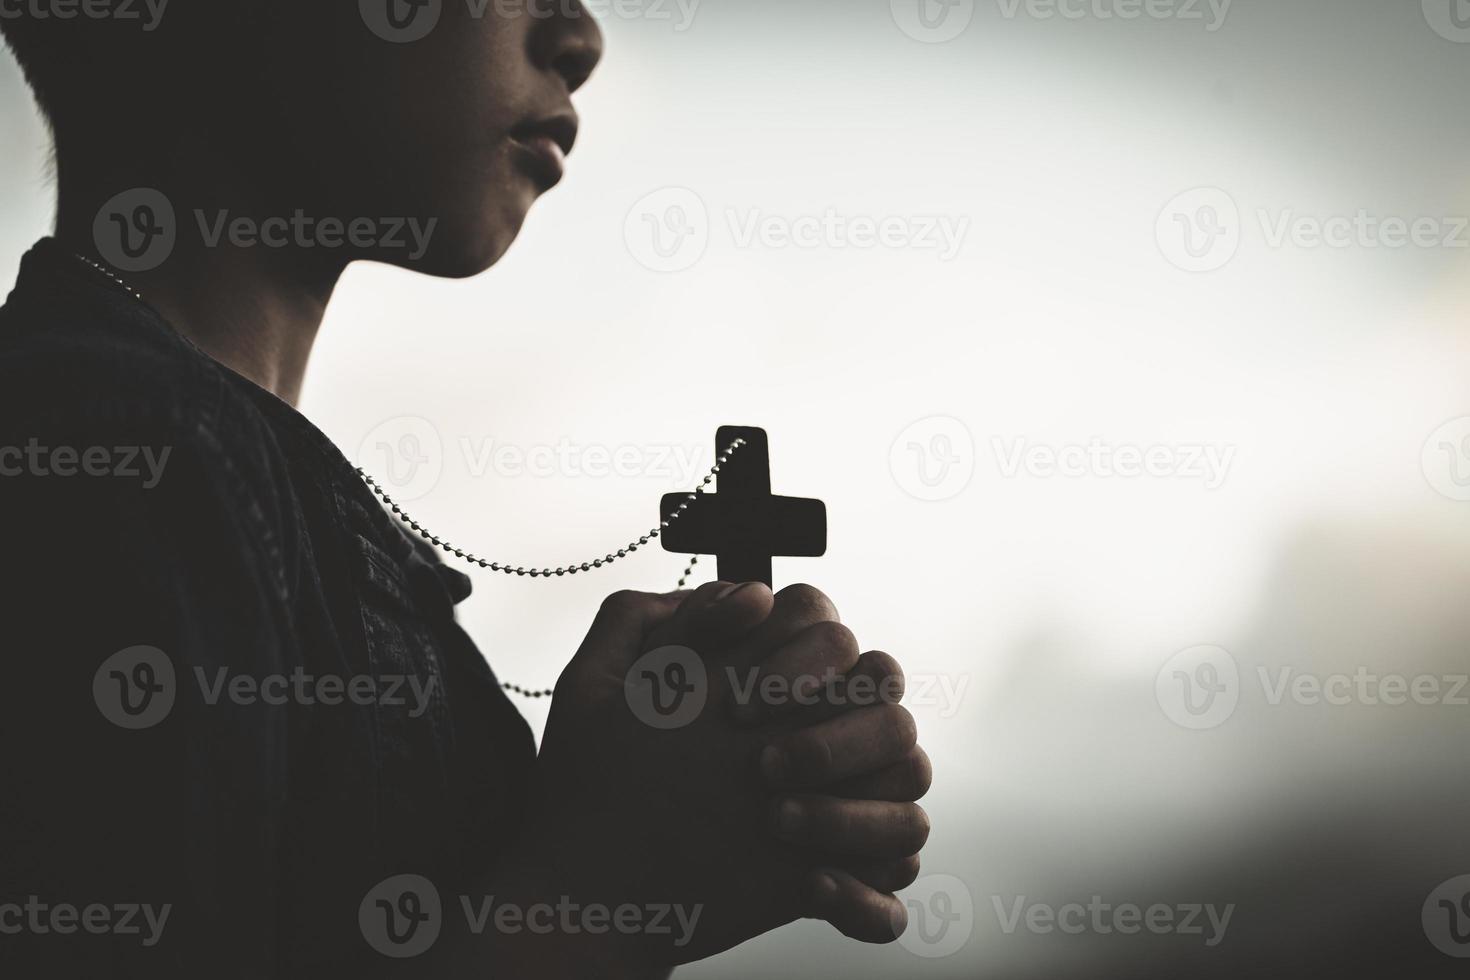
461	252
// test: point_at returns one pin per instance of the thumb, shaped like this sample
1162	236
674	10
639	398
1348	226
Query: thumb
618	636
714	617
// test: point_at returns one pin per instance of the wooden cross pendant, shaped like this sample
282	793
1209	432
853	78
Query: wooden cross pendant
743	524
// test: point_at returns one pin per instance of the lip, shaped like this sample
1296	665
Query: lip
543	146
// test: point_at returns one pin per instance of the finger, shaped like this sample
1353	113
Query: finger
870	828
796	607
616	637
803	673
854	909
876	679
714	617
863	741
888	875
906	781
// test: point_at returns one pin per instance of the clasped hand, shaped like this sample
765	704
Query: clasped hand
790	794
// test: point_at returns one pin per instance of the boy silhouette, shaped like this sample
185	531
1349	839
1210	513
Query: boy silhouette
244	736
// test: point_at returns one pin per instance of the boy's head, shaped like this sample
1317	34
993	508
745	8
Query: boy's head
379	110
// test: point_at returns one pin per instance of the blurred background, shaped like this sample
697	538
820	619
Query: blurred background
1125	342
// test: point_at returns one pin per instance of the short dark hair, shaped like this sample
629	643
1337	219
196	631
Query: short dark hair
98	67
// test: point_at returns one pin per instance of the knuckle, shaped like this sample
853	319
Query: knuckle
811	755
895	924
906	872
623	601
807	602
835	819
916	825
888	672
900	727
920	772
708	592
837	642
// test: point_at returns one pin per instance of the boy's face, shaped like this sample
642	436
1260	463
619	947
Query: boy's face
455	110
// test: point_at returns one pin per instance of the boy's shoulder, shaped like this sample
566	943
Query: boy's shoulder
80	356
91	377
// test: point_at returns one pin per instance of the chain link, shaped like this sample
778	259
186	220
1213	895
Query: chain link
113	276
503	568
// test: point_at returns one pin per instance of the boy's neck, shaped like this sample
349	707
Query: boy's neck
256	310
